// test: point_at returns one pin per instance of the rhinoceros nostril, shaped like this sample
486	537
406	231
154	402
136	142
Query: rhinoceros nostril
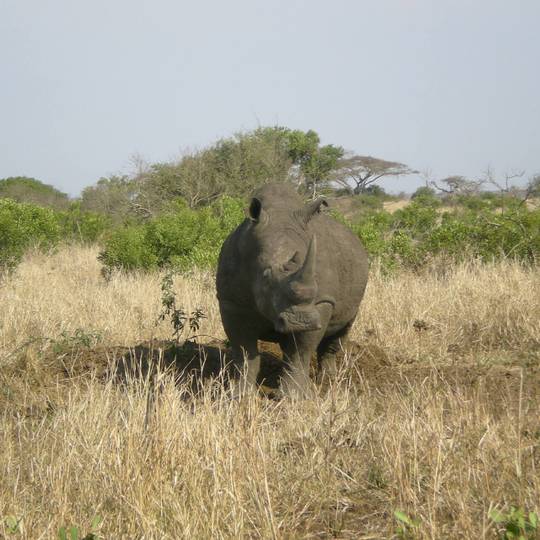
281	322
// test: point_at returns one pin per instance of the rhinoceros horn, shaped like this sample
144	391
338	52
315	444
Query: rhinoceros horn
305	276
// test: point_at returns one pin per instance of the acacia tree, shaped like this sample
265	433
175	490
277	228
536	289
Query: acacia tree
458	185
506	185
357	173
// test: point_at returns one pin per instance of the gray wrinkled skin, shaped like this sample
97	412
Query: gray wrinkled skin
291	275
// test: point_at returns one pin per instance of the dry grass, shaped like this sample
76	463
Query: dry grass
394	206
436	412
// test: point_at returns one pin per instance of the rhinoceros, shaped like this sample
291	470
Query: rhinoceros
292	275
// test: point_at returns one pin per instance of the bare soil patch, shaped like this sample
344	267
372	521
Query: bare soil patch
366	363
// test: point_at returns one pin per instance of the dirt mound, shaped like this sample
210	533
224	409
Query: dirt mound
364	363
188	361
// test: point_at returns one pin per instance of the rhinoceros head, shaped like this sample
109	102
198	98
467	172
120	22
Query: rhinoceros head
285	263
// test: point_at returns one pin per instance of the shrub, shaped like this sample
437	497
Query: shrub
416	218
424	192
368	201
182	238
378	191
372	230
452	236
486	235
402	250
425	196
86	227
23	226
127	248
513	234
410	236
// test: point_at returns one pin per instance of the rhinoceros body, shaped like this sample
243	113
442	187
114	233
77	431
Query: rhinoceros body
292	275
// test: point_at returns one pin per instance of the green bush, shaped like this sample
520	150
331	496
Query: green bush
416	218
86	227
412	235
185	238
425	196
368	201
424	192
513	234
23	226
182	238
372	230
452	236
127	248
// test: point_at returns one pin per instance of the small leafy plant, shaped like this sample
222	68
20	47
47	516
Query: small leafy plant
13	524
407	526
79	339
178	317
73	532
516	524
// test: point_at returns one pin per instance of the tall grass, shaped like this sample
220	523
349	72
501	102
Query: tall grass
435	413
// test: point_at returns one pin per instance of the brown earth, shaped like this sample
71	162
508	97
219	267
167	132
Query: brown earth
364	364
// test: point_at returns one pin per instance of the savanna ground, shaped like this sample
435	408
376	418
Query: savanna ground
435	412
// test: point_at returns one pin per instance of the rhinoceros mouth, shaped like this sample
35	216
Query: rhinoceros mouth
326	300
298	321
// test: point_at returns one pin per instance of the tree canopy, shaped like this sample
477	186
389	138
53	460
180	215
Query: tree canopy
356	172
458	185
111	195
235	166
30	190
313	163
232	166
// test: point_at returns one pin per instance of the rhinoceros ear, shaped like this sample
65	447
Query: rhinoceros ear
313	208
254	210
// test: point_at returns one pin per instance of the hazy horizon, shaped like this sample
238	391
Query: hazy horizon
450	87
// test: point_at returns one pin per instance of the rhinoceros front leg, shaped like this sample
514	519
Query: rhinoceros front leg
297	352
246	363
243	334
295	382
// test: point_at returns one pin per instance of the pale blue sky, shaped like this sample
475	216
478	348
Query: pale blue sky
451	86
